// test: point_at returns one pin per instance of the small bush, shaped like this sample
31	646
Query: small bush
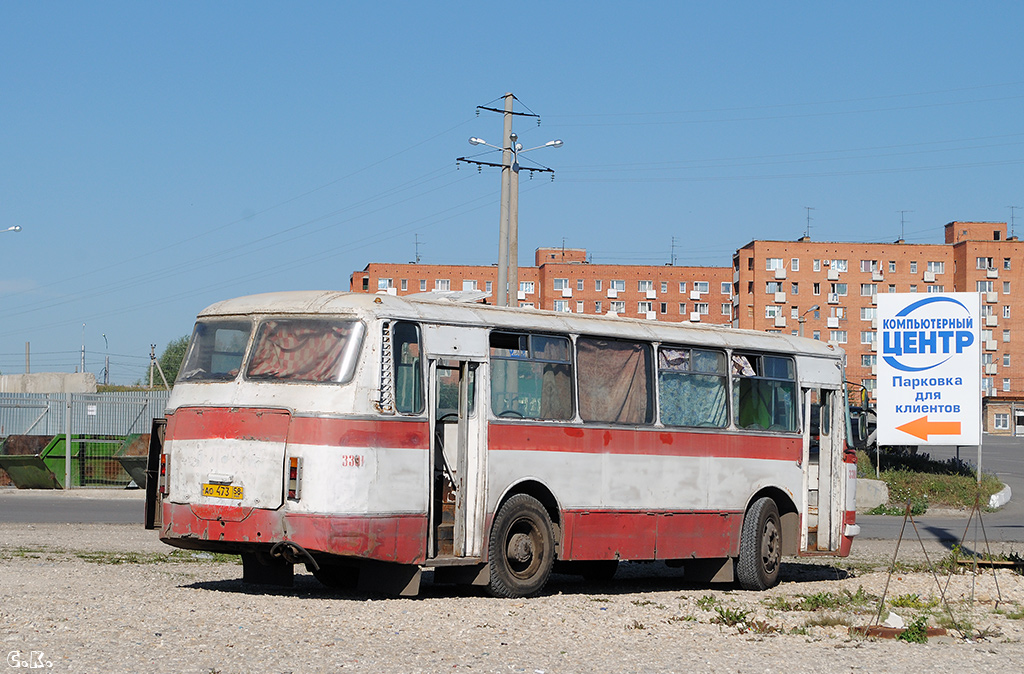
916	632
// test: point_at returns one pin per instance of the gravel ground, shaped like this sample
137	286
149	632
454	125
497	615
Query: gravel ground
105	598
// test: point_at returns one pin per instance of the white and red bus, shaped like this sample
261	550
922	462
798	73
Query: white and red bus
371	437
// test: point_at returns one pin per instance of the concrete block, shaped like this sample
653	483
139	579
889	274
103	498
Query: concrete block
871	494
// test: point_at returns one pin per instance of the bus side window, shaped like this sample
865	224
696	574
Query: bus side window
692	388
764	392
615	381
531	376
408	368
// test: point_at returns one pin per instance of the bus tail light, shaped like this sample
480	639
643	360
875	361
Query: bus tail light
294	477
163	475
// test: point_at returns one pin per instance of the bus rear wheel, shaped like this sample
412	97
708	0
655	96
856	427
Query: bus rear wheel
760	547
521	551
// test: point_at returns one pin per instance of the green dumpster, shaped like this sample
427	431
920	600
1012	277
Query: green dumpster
133	455
38	461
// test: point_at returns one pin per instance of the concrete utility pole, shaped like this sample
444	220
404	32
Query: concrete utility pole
508	225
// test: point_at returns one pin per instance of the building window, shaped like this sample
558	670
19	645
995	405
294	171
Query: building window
701	287
1001	420
868	360
868	384
487	288
1006	383
597	307
937	267
726	288
816	335
837	336
795	288
562	305
562	284
868	313
839	265
682	308
469	285
664	307
773	263
643	307
868	289
913	288
617	307
526	287
1006	311
772	311
442	284
816	288
385	283
987	384
682	286
1006	360
727	308
838	288
579	306
1006	287
867	336
984	286
579	285
664	287
1006	335
913	267
817	265
935	289
618	286
892	266
869	265
701	308
644	286
983	263
772	287
597	285
1006	263
423	285
794	264
892	288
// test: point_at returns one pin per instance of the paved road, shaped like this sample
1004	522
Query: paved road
1003	456
78	506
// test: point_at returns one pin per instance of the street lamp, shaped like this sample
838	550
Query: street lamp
803	318
15	228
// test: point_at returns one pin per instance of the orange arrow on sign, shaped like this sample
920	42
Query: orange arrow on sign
922	428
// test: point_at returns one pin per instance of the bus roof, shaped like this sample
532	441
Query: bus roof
442	308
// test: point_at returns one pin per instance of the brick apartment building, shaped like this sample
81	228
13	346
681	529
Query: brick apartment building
823	290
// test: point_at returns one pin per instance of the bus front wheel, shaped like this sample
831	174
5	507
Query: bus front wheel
760	546
521	551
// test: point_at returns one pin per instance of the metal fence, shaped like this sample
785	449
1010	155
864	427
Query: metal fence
62	440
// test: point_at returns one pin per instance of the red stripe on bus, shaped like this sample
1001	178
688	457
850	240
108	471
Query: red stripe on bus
389	538
278	426
653	442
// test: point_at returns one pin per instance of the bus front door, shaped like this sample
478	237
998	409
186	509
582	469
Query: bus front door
824	502
458	459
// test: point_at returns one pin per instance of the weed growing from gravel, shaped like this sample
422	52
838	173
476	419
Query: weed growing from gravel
916	632
706	602
636	625
178	556
730	617
913	601
828	620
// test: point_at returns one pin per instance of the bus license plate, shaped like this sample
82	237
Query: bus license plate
231	491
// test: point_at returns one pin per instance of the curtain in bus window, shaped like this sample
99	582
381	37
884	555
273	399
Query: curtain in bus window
530	389
614	381
300	350
687	396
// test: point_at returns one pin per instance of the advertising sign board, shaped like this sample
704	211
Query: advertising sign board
929	369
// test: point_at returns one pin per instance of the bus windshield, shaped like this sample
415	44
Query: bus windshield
216	350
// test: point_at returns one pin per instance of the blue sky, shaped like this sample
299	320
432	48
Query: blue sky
162	156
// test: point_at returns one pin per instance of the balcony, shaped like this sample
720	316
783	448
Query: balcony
991	321
991	368
877	276
612	293
780	298
929	277
694	317
651	316
651	295
780	321
991	297
832	322
990	345
694	294
833	274
992	273
833	298
566	292
780	273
